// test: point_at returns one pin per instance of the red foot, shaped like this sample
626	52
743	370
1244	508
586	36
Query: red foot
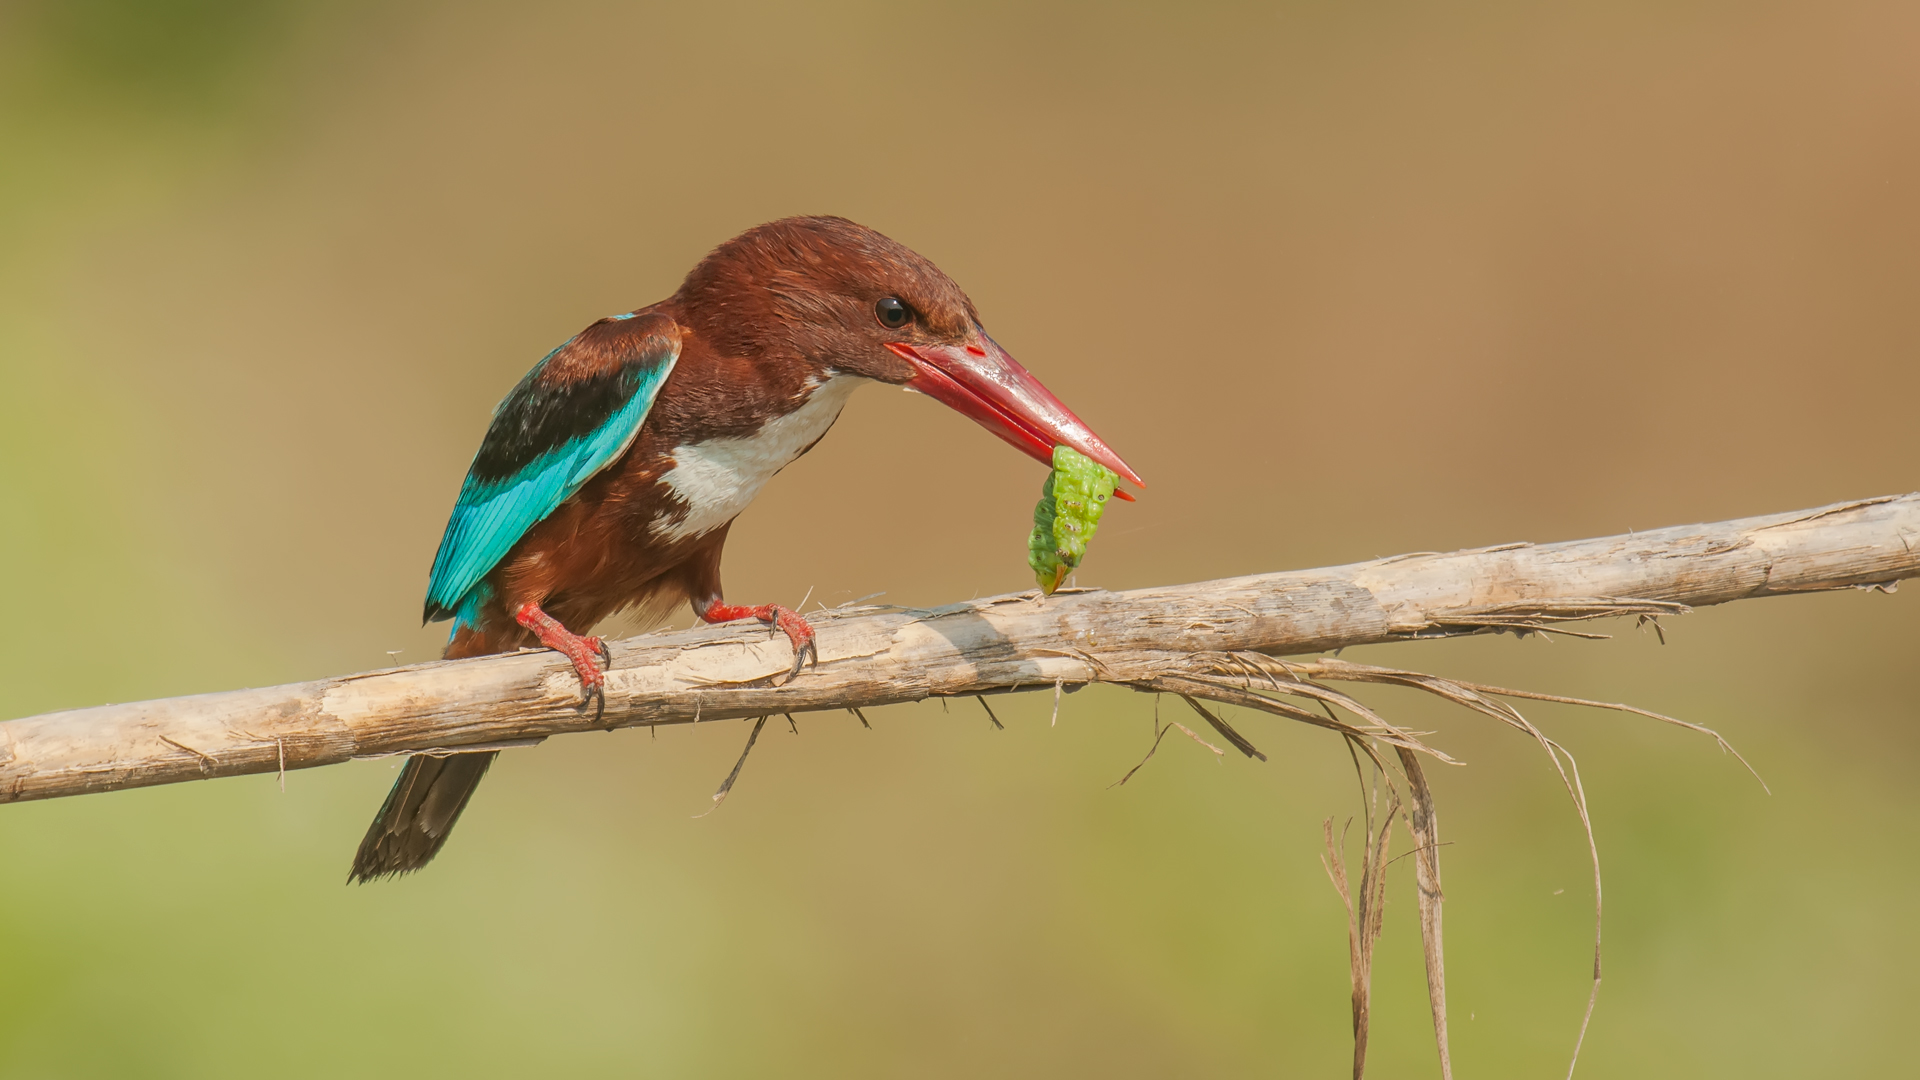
580	650
797	629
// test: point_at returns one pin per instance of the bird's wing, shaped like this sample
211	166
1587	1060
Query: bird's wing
575	413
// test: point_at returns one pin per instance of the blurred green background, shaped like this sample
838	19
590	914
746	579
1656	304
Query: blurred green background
1341	280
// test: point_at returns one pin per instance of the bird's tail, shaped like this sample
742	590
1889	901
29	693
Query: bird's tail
426	801
419	813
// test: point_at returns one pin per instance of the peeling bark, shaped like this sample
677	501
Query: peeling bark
876	656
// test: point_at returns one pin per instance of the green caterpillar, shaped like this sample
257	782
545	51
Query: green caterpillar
1071	502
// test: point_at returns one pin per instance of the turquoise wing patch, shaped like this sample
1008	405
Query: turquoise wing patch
548	438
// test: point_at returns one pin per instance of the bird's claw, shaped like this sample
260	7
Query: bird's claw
597	694
598	691
805	646
802	656
578	649
778	619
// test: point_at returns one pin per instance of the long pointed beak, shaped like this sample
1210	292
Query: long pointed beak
982	382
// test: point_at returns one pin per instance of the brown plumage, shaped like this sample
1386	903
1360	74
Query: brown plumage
772	329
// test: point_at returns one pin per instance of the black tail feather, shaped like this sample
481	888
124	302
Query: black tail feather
419	813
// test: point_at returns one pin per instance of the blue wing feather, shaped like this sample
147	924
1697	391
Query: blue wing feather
491	515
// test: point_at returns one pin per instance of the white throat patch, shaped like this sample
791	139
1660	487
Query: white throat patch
717	478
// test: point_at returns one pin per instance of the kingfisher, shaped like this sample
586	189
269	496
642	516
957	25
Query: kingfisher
612	471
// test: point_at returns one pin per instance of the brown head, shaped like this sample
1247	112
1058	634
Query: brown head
839	297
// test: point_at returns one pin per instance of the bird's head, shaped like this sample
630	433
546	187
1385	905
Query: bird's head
841	298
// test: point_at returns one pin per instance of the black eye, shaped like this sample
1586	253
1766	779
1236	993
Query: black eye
892	313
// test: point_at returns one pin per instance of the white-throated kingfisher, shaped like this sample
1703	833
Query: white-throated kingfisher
610	475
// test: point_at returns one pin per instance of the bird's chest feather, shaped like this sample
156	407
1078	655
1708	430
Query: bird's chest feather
716	478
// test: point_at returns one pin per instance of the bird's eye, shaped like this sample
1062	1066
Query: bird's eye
892	313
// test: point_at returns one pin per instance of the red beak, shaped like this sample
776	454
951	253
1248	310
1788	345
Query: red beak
981	381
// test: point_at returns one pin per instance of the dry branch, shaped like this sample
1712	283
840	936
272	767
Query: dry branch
1203	640
1217	640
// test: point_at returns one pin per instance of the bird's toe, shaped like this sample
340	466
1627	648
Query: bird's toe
800	633
595	695
807	653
